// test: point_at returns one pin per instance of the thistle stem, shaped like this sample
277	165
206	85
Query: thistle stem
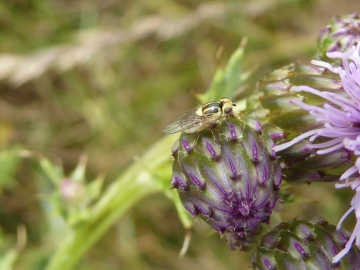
144	178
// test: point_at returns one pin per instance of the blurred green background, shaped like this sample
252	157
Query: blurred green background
101	79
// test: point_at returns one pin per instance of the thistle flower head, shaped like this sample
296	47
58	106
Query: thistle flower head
275	106
339	119
304	244
340	35
228	175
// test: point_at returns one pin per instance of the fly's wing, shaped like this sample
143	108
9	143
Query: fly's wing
183	122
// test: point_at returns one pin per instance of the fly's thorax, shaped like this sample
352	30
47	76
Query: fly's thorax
210	112
211	109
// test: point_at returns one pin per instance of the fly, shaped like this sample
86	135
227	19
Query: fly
201	117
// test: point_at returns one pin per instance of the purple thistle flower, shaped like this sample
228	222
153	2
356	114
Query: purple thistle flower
341	34
304	244
340	127
228	175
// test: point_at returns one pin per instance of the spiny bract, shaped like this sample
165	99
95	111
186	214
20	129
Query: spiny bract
229	176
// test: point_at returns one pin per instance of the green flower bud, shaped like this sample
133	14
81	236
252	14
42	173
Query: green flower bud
304	244
276	107
340	35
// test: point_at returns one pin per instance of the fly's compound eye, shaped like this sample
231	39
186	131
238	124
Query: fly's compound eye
227	106
228	110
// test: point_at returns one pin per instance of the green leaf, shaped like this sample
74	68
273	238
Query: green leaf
78	173
226	80
7	260
52	171
94	187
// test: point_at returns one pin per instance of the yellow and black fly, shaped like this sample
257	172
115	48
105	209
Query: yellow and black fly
201	117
